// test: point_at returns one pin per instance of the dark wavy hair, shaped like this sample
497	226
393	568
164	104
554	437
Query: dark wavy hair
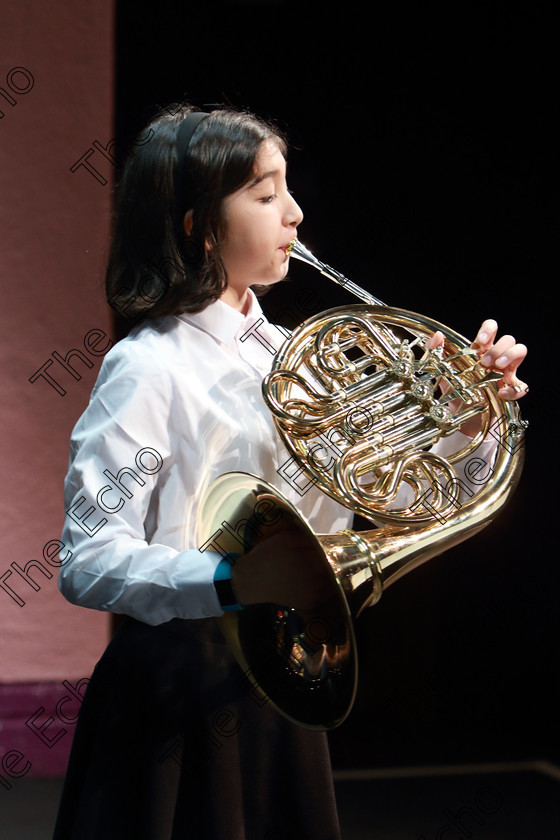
154	268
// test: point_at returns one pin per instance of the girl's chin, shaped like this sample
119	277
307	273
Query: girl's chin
270	281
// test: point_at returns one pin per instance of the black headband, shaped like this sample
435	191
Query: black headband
184	136
186	131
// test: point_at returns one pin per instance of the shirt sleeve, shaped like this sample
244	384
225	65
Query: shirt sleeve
120	451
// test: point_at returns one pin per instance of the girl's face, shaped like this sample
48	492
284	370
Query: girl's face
261	219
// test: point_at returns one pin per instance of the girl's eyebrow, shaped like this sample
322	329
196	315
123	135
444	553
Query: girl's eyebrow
271	174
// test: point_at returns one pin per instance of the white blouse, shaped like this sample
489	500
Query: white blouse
176	404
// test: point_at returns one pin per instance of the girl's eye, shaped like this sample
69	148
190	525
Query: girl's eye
267	199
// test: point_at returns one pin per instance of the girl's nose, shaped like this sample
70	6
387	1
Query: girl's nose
294	213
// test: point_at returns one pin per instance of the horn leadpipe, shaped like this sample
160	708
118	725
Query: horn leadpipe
300	252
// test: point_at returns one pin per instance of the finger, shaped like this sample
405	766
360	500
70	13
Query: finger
486	335
515	391
436	340
498	351
506	357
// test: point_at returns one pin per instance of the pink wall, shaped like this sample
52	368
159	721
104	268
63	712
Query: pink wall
54	226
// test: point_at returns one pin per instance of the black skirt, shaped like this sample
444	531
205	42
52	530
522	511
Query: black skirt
172	744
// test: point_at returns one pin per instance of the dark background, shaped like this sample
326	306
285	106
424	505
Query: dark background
424	157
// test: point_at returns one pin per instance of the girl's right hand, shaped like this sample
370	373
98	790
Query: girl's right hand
285	566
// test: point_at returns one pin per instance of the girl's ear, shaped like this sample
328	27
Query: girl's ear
188	222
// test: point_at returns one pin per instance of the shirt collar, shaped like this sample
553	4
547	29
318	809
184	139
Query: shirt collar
222	321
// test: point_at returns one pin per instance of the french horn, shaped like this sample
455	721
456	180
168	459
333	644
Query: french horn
360	403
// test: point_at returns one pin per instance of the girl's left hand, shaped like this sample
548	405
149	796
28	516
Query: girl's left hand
505	356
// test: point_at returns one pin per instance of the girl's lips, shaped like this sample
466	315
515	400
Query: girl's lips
288	247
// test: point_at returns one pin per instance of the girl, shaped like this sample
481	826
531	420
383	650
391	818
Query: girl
171	743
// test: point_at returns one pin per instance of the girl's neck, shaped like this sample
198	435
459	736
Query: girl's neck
240	300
